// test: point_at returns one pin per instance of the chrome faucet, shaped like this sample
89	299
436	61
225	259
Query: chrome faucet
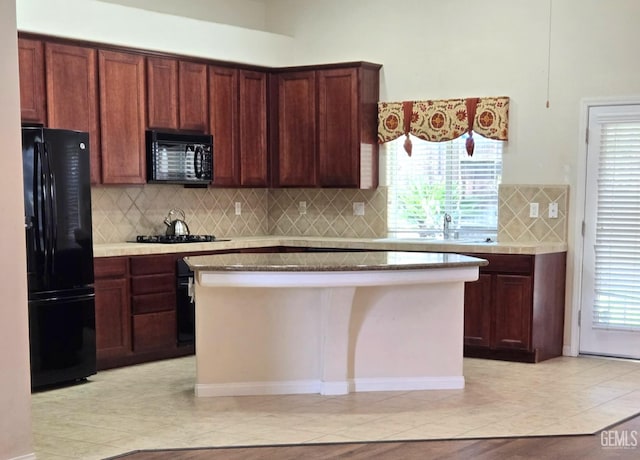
445	226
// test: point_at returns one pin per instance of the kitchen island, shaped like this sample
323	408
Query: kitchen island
329	322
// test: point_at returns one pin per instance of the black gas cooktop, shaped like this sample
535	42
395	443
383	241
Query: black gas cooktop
169	239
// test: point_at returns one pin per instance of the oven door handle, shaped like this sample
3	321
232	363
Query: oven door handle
191	291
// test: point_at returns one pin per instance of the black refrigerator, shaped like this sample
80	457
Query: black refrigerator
57	201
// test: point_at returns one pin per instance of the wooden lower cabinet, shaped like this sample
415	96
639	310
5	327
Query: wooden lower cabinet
153	302
113	314
513	307
154	331
477	311
136	310
515	311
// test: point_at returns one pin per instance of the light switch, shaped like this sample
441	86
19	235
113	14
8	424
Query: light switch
302	207
533	209
238	208
553	210
358	208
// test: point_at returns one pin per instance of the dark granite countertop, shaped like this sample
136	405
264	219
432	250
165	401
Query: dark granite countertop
332	261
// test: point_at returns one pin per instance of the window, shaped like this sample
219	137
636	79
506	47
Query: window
441	178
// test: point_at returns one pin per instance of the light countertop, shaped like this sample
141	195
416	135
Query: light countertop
331	261
387	244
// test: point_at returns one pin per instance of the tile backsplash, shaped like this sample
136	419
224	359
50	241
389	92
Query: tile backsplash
329	212
514	223
121	213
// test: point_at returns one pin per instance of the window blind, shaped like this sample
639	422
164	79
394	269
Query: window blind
440	178
617	247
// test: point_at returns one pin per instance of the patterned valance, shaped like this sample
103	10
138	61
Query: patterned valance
444	120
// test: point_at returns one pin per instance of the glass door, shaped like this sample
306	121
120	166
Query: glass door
610	308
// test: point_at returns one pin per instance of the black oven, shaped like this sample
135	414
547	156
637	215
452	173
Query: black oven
185	306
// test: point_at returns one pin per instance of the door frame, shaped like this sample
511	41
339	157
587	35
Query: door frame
579	214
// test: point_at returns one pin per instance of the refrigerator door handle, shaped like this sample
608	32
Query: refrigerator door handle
41	205
73	298
52	210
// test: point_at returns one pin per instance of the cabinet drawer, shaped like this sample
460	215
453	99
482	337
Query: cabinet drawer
154	331
149	303
151	265
110	267
153	284
507	263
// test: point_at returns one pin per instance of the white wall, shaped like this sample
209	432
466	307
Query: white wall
462	48
110	23
249	14
15	387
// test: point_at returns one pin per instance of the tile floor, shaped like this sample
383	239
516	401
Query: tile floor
153	406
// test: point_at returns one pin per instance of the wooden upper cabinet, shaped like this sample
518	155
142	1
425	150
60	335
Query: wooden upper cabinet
324	130
32	91
238	123
347	127
193	96
122	117
72	95
177	95
223	123
294	135
162	88
253	129
338	135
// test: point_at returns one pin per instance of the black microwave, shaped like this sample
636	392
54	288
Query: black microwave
179	158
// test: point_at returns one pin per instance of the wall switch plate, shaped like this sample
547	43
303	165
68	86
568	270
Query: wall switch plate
553	210
533	209
238	208
358	208
302	207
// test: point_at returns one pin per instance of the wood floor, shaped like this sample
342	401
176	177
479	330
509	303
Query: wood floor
548	447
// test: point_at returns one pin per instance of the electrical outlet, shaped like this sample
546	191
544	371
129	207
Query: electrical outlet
533	209
238	208
358	208
302	207
553	210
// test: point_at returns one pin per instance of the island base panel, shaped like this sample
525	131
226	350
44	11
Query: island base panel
328	340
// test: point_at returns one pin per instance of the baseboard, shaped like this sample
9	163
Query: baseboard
258	388
334	388
329	388
409	383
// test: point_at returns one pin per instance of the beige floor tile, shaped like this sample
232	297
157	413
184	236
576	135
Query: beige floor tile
153	406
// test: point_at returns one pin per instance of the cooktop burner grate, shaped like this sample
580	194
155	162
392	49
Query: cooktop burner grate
168	239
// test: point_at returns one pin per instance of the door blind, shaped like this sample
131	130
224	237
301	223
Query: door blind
617	242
